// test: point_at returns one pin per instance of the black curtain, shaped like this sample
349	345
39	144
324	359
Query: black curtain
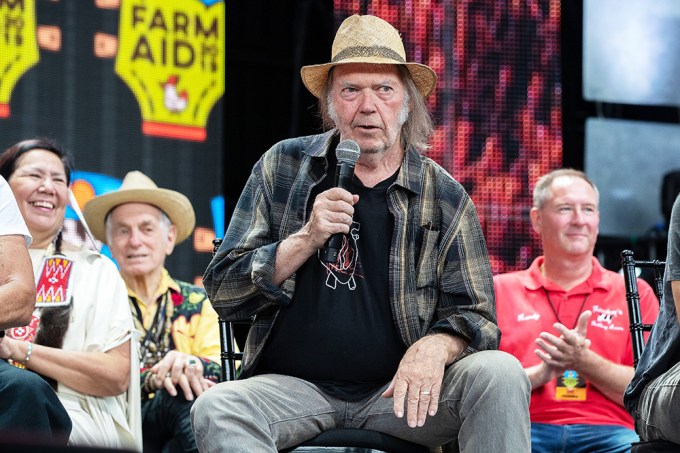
267	43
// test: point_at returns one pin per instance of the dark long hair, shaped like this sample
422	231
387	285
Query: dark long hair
9	158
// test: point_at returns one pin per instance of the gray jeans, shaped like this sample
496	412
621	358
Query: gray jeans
483	407
659	408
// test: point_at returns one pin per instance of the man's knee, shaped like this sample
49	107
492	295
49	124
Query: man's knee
496	371
203	405
28	386
216	400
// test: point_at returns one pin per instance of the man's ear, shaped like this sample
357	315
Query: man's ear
535	216
172	237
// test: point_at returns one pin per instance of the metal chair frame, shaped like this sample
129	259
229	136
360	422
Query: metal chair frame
637	327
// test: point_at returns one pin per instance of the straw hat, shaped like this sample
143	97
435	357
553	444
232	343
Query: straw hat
367	39
139	188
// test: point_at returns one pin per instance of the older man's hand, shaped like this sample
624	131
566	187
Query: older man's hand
183	370
332	213
418	380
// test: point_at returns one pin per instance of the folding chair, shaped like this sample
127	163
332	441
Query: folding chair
637	328
340	440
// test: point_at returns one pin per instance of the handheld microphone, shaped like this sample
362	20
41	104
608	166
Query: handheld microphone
347	153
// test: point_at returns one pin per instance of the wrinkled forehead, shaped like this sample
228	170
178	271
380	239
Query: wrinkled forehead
567	187
124	211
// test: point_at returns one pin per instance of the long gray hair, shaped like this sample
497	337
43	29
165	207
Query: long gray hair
418	126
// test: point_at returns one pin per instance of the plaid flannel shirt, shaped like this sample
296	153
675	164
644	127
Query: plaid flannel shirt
440	279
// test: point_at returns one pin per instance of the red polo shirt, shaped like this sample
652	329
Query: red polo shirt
528	304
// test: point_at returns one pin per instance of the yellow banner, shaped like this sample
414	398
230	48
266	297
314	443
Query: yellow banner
171	55
18	46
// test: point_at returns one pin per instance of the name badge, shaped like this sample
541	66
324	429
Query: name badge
570	387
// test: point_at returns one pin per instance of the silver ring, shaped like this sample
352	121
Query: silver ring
168	374
425	392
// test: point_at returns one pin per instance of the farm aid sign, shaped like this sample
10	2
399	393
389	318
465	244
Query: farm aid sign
18	46
171	55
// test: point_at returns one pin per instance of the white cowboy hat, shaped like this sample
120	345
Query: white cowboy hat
139	188
367	39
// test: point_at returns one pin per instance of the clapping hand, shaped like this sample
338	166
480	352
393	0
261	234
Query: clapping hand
568	350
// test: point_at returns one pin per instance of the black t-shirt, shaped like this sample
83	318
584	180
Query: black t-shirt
339	331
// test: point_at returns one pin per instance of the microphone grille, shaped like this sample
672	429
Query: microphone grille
348	151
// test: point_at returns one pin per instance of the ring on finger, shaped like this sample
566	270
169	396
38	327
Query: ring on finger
191	362
425	392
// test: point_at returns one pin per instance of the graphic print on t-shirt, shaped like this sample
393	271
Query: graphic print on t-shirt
344	268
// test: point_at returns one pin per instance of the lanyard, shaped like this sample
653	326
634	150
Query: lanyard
552	307
155	328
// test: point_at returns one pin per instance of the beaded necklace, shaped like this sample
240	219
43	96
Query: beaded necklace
156	341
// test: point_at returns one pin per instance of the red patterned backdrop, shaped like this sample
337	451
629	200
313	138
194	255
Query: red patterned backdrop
497	106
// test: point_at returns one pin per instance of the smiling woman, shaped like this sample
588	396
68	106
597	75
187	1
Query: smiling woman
39	184
79	338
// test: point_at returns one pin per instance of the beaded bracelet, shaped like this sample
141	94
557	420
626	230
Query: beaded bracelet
22	365
28	353
149	386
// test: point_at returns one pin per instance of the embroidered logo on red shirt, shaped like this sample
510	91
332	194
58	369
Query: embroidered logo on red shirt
524	317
